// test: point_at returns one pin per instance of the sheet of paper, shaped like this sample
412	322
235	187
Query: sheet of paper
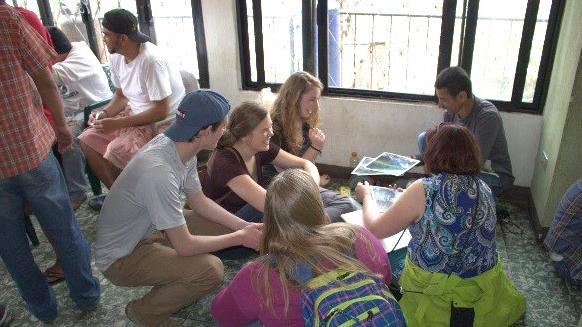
390	164
361	170
389	243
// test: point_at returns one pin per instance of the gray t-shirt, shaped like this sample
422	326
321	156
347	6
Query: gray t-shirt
143	199
485	123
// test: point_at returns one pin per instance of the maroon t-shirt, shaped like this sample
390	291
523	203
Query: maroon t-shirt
227	165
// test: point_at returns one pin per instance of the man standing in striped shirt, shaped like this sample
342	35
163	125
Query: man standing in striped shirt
29	171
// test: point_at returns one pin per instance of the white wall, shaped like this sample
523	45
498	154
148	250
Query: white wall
362	125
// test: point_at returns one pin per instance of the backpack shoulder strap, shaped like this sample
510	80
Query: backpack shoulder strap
302	273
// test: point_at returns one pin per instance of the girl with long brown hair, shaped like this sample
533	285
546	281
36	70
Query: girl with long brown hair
295	116
235	168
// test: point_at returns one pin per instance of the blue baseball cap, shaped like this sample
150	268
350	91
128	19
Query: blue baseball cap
197	109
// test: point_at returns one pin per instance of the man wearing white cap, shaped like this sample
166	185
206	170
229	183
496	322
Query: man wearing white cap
144	238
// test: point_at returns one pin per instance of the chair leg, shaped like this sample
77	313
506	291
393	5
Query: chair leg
29	228
93	181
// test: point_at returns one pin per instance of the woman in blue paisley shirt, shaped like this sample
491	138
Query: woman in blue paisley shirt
452	274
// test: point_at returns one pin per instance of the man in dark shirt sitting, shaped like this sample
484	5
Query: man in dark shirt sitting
481	117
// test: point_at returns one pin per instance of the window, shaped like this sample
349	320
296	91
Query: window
394	49
31	5
98	10
67	16
284	55
496	47
383	45
174	30
281	24
537	49
176	26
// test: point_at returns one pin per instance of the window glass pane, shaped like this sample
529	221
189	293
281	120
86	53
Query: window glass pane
31	5
67	17
536	50
497	43
251	30
99	8
384	45
175	32
282	39
457	34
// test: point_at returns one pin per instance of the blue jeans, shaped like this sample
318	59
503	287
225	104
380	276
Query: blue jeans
44	189
493	181
74	165
250	214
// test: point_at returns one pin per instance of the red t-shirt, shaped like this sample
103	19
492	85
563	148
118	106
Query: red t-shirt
37	25
227	165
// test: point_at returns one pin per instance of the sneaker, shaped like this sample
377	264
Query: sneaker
4	318
96	202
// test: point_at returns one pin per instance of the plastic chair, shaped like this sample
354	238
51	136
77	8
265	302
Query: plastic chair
93	180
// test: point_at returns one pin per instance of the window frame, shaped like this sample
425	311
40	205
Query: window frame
310	44
146	26
319	65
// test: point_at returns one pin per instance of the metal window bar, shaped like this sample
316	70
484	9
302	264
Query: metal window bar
322	45
145	19
469	39
447	34
46	15
200	37
309	33
244	48
259	52
548	53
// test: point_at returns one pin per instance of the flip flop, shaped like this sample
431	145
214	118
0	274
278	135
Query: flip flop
53	276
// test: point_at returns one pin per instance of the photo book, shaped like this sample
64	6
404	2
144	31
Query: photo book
385	164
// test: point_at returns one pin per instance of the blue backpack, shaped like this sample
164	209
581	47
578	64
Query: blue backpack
344	298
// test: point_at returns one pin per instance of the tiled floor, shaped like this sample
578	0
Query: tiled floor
550	301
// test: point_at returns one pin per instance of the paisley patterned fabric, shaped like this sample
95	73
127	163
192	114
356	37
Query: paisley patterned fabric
456	234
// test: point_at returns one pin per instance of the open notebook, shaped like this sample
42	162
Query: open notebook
393	242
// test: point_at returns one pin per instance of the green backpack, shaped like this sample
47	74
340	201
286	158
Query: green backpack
344	298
